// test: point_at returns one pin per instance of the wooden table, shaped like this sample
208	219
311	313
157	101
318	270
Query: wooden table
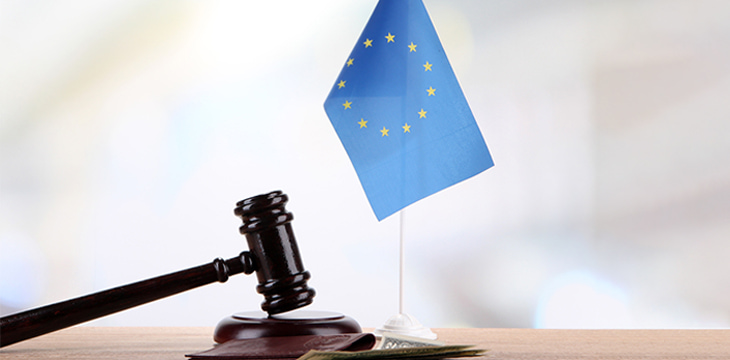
174	342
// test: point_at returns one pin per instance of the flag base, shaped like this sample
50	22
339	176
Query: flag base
406	324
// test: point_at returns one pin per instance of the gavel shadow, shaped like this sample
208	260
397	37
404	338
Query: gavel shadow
273	255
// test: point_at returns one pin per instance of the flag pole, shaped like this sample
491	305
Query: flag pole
401	269
402	323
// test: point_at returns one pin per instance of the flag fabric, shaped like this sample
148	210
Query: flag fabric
399	111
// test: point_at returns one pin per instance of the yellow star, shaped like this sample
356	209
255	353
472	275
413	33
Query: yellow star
349	62
341	84
347	105
422	113
431	91
412	47
391	38
427	66
363	123
368	43
406	128
384	131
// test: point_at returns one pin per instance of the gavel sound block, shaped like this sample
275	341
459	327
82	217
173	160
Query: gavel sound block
274	256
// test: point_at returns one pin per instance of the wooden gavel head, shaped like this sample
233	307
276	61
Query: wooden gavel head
274	251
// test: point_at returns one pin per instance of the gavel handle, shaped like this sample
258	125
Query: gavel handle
42	320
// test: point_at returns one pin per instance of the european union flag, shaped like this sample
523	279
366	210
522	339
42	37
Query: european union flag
400	112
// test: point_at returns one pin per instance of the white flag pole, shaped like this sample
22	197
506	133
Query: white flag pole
402	267
403	323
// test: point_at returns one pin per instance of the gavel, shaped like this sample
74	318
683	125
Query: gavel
273	254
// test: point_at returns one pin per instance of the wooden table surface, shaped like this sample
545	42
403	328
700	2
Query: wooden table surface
174	342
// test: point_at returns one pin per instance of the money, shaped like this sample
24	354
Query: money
397	341
421	353
396	346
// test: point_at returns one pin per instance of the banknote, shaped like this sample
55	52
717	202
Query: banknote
395	341
420	353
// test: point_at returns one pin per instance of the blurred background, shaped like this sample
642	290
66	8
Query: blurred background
129	130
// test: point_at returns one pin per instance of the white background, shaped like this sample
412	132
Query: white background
129	130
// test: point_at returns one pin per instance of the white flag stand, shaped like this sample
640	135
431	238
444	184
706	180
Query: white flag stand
402	323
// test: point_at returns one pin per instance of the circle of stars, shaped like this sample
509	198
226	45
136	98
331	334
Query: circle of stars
390	38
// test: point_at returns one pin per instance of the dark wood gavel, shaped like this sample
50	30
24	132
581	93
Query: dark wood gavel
273	255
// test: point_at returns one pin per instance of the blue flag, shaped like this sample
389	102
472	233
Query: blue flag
400	112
